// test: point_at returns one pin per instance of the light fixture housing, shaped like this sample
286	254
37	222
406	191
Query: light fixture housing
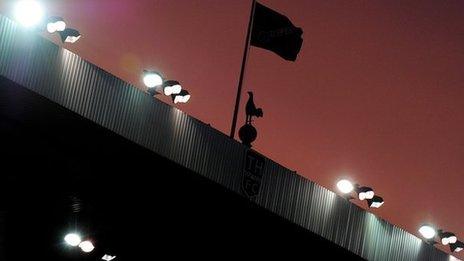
29	13
55	24
72	239
447	237
345	186
375	202
152	79
427	231
86	246
365	193
456	247
182	97
108	257
69	35
171	87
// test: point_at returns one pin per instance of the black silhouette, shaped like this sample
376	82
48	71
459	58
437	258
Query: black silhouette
251	109
247	132
275	32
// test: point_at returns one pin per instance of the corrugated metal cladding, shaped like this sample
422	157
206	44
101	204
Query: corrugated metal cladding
68	80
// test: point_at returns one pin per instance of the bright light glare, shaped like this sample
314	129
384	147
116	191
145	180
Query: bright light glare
362	196
369	194
175	89
72	239
182	99
60	26
458	249
427	231
86	246
28	12
51	27
449	240
345	186
376	204
366	195
72	39
108	257
445	241
152	79
56	27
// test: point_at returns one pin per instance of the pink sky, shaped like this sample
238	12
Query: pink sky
376	94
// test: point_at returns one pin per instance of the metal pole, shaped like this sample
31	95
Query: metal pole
242	71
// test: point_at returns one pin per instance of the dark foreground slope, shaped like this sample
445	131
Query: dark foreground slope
61	172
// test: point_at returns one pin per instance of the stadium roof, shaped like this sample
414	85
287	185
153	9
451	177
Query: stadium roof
85	89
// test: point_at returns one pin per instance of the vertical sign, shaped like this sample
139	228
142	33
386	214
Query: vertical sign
252	173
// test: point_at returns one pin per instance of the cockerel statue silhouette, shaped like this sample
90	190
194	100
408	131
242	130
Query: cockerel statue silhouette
251	109
247	132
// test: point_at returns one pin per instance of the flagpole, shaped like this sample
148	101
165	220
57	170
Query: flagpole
242	71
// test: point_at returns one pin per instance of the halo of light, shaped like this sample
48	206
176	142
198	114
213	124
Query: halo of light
175	89
427	231
72	239
447	238
182	97
445	241
51	27
369	194
345	186
362	196
28	12
86	246
152	79
60	26
107	257
376	204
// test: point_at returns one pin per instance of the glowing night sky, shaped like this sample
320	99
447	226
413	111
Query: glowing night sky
376	94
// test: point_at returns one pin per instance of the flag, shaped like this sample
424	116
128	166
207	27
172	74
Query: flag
275	32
